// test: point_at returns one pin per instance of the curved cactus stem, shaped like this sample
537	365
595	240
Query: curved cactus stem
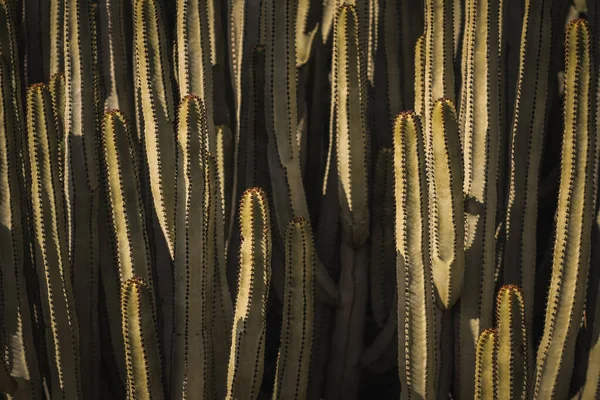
293	362
383	243
116	50
486	366
446	212
525	152
289	199
19	355
416	323
481	127
574	220
140	333
156	115
52	256
194	59
249	328
513	351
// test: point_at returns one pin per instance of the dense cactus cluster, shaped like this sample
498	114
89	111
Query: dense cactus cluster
337	199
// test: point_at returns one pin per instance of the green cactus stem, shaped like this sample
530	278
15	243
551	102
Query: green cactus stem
352	148
486	366
19	355
194	60
525	153
480	125
416	325
513	357
576	198
293	363
420	76
194	257
140	333
116	48
289	199
446	212
50	239
248	333
57	27
156	112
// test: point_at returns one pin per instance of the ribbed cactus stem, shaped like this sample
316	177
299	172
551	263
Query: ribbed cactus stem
486	366
194	60
352	149
289	198
194	257
52	256
383	242
304	38
420	76
144	373
118	86
57	22
446	212
121	170
513	351
16	332
293	363
480	124
576	199
156	115
416	324
248	334
81	179
526	149
225	165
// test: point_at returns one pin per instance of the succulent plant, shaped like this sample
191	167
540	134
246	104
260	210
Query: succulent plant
282	199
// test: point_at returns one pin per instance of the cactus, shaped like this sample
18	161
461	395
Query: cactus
16	333
144	380
576	199
52	256
293	362
416	325
248	333
486	365
446	213
513	357
480	126
120	186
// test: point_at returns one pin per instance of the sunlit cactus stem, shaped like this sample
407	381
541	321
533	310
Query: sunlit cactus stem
352	150
576	199
144	371
293	363
416	303
246	360
128	232
513	351
446	212
486	366
50	238
480	125
156	116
